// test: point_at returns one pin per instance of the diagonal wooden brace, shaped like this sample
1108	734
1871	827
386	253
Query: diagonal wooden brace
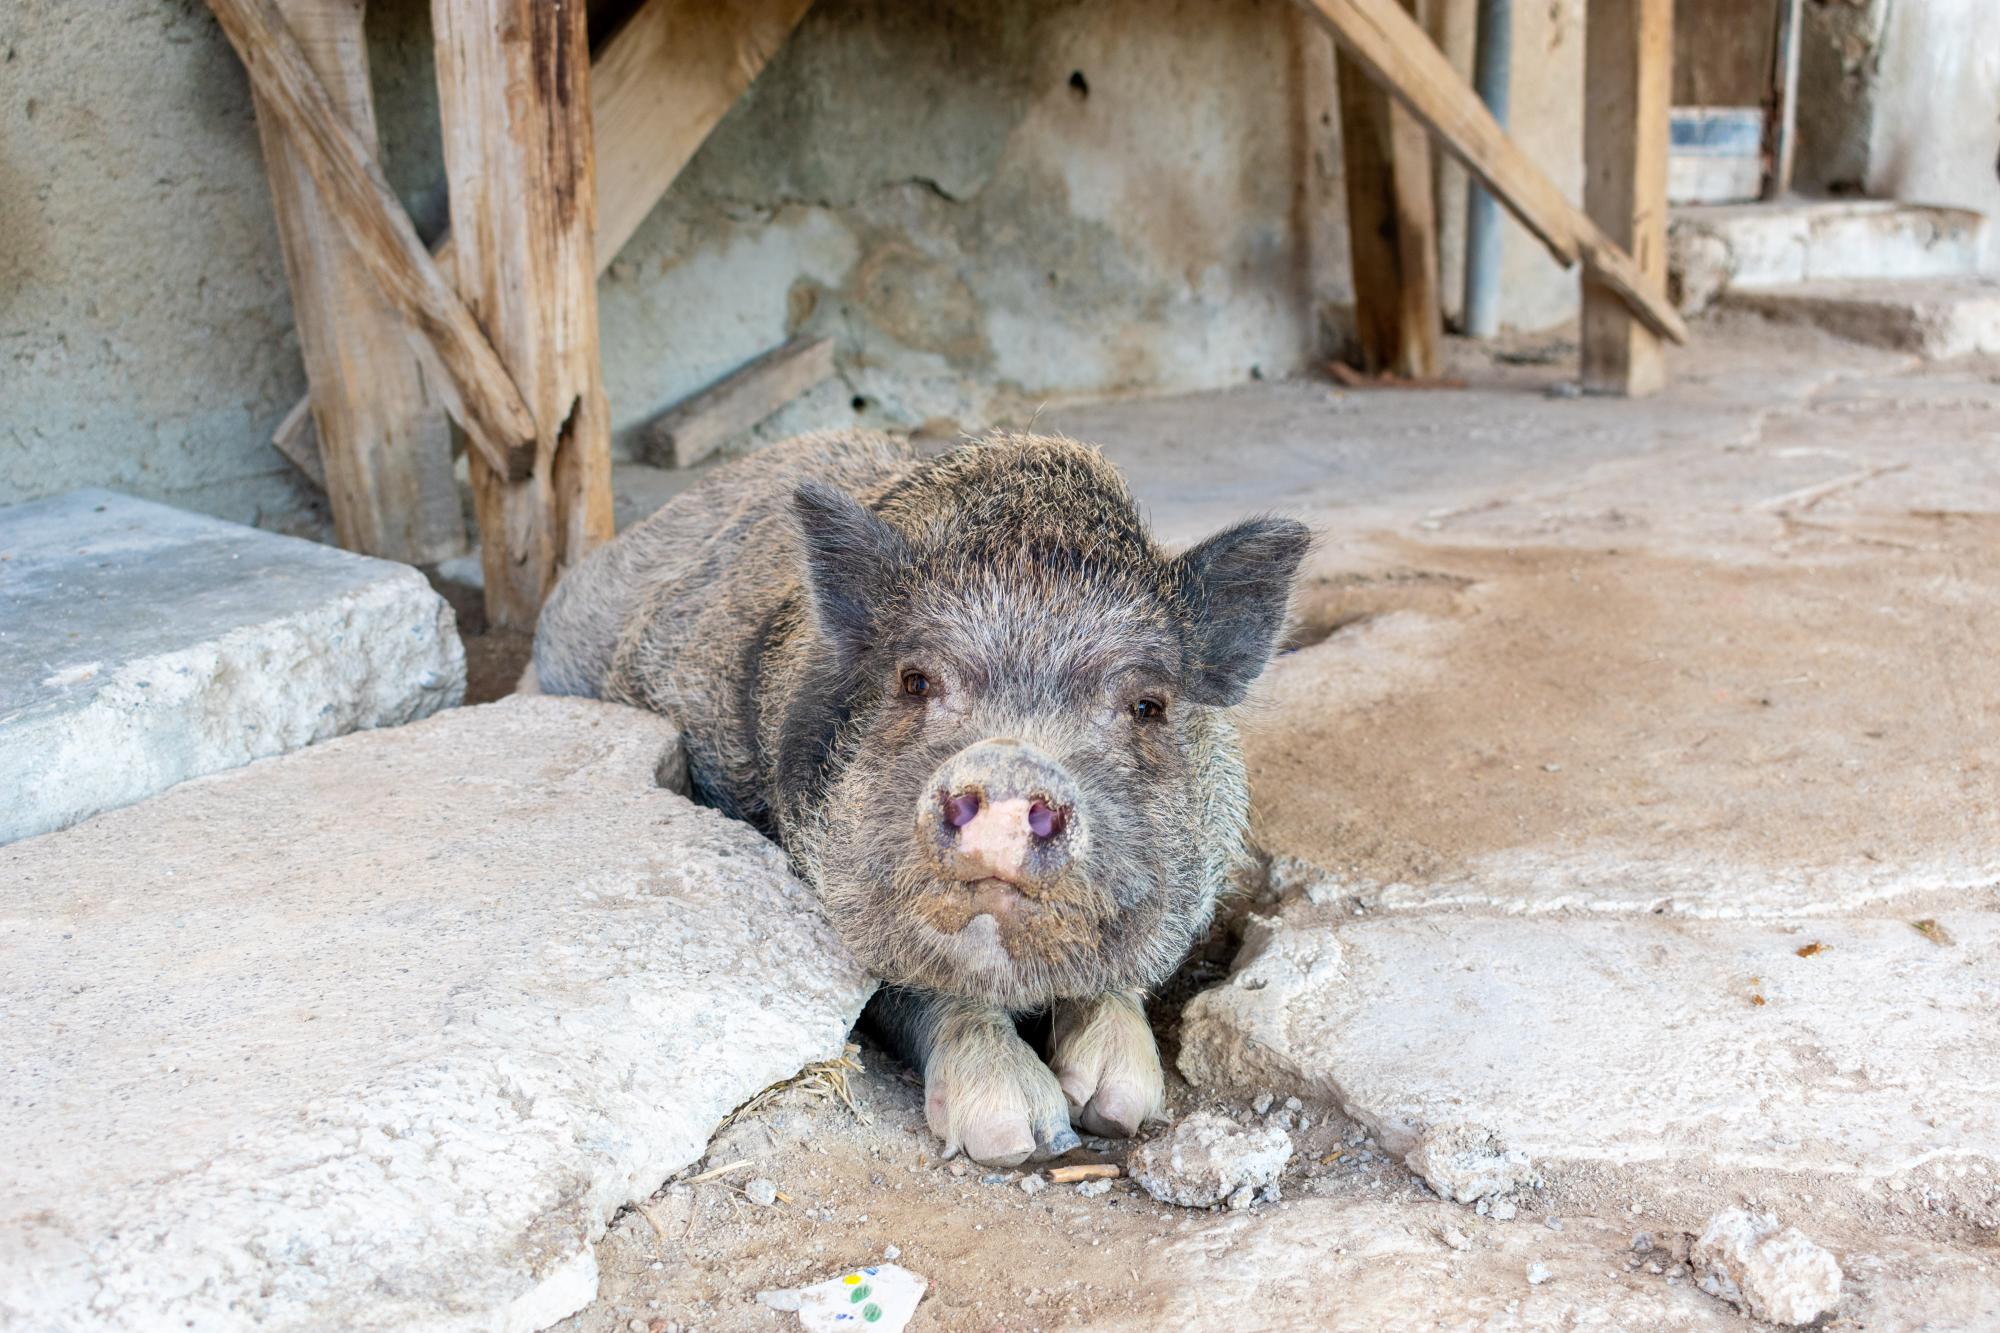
1398	54
478	392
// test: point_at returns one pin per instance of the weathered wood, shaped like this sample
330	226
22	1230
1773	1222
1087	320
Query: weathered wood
1628	75
385	461
657	88
514	99
699	424
1388	43
1391	228
474	382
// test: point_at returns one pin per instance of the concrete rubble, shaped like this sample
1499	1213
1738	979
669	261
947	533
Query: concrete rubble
1205	1160
1769	1273
141	645
380	1034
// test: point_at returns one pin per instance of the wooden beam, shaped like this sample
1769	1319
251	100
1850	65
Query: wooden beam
658	87
699	424
1628	75
385	462
1391	229
1389	44
514	99
474	383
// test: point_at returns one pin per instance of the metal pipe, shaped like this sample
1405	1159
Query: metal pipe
1492	63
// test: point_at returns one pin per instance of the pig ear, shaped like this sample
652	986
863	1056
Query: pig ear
851	558
1237	586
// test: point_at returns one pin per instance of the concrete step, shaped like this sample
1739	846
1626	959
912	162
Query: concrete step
141	645
1937	318
378	1035
1716	248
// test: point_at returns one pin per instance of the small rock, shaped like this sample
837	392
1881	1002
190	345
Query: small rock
761	1192
1242	1197
1262	1104
1091	1189
1503	1211
957	1168
637	1325
1481	1207
1642	1243
1034	1184
1553	1223
1279	1119
1771	1274
995	1178
1305	1122
892	1252
1538	1273
1455	1238
785	1299
1466	1163
1205	1159
1294	1105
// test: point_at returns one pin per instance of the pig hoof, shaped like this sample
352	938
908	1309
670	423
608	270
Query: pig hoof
988	1095
1107	1064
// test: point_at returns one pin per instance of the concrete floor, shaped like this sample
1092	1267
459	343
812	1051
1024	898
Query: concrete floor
1592	679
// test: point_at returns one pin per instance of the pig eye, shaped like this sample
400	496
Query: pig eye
1146	710
916	684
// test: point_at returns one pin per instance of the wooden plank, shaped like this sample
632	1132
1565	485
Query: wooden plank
473	383
385	464
1391	229
699	424
658	87
1628	74
514	100
1387	42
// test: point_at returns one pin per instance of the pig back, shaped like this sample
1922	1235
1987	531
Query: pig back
677	613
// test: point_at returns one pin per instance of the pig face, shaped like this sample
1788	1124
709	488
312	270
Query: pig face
1023	780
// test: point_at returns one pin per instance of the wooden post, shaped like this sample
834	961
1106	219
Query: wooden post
1391	228
1628	78
385	442
514	98
1785	133
1395	51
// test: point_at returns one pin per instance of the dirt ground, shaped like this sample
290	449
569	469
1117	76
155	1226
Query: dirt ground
1727	651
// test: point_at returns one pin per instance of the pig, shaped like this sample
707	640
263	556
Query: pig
987	718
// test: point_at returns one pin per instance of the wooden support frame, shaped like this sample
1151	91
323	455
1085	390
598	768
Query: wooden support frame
1391	229
1628	74
385	457
1395	51
476	387
658	87
514	99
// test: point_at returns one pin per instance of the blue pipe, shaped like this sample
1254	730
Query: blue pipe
1492	63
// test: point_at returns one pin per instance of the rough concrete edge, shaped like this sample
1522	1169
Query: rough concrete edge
154	696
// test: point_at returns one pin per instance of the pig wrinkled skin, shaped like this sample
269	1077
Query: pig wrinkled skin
985	716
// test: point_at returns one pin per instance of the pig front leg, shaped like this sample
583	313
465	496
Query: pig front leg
1105	1059
986	1093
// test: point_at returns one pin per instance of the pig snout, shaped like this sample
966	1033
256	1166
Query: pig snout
1001	810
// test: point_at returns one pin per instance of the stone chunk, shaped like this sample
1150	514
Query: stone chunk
141	646
1773	1275
1646	1043
1205	1159
379	1034
1467	1163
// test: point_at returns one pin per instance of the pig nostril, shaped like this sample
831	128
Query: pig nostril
959	810
1044	820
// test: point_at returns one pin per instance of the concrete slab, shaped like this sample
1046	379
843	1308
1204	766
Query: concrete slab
1845	1052
140	646
1937	318
379	1034
1714	247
